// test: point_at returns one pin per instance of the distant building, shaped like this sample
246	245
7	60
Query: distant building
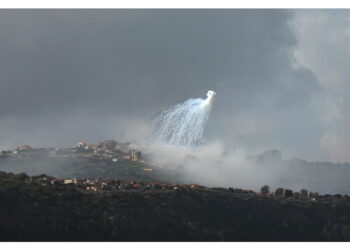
55	181
158	184
132	153
135	155
136	186
24	148
70	181
107	145
81	144
92	188
90	181
138	155
98	151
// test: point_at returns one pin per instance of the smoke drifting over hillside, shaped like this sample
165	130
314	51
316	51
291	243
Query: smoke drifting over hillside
215	165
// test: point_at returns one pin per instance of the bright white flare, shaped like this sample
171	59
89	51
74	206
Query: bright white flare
183	124
210	98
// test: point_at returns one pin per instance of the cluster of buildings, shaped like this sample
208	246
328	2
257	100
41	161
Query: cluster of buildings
97	184
108	149
104	147
100	185
134	155
26	151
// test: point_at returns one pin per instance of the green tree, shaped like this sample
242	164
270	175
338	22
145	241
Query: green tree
304	193
297	195
288	193
265	189
313	195
21	176
279	192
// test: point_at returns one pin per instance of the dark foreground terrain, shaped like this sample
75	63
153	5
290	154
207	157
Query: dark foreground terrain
40	211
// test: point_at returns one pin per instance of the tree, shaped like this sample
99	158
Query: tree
304	193
297	195
313	195
288	193
21	176
265	189
279	192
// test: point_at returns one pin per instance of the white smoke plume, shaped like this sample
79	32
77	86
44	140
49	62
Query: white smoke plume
181	127
179	131
213	164
183	124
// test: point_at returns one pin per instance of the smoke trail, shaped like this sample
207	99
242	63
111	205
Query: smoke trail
183	124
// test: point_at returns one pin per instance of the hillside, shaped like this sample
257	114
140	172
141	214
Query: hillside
107	159
33	211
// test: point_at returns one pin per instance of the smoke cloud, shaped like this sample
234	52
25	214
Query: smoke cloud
183	124
322	38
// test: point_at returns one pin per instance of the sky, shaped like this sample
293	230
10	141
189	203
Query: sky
280	76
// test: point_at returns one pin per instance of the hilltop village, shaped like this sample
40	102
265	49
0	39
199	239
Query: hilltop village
109	150
98	185
107	159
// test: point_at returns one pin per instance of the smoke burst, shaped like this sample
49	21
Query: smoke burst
183	124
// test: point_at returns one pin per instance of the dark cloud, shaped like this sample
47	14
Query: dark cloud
77	74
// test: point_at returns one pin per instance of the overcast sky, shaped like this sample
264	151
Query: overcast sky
280	76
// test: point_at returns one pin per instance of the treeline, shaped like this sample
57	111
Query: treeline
281	193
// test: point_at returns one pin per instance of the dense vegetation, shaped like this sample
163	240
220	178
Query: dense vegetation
31	210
